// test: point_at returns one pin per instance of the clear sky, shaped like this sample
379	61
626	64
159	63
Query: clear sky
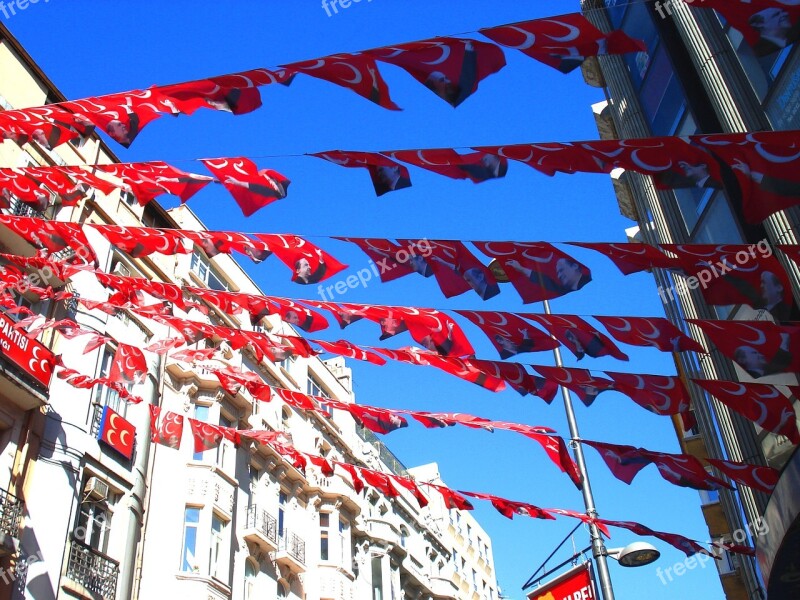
93	47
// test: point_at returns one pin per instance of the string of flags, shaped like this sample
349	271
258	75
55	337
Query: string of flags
756	170
724	274
167	429
665	395
451	67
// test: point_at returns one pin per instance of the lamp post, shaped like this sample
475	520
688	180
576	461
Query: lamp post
598	547
633	555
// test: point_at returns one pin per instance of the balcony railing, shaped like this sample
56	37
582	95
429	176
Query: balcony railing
263	522
293	545
20	209
386	455
95	571
10	513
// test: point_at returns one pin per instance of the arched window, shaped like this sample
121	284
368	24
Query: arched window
250	572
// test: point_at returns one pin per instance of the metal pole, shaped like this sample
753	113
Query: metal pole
598	547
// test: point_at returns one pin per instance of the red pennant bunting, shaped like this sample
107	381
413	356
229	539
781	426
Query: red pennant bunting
650	331
759	347
251	189
562	42
128	366
538	271
576	334
451	68
357	72
762	404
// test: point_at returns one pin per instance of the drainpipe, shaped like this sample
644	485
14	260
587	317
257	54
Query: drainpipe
134	514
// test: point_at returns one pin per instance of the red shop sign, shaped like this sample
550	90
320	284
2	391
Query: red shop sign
29	355
575	584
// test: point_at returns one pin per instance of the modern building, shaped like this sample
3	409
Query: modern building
80	519
698	75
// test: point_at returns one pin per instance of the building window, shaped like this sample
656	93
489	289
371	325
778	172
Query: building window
104	395
313	388
207	274
191	521
377	578
250	573
255	480
344	542
403	536
226	452
94	525
87	563
324	536
728	562
282	500
708	497
218	555
200	414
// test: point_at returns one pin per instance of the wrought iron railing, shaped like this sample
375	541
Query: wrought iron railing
92	569
10	513
293	545
20	209
263	522
387	456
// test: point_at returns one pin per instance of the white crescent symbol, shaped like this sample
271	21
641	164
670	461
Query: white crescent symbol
714	141
635	158
426	161
760	340
335	161
544	260
530	39
318	65
501	316
642	251
488	249
358	77
612	154
624	328
240	168
573	34
397	52
445	55
565	376
654	335
762	418
501	152
122	437
761	481
773	158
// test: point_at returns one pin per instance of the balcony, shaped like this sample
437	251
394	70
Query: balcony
10	518
291	552
386	456
91	574
261	529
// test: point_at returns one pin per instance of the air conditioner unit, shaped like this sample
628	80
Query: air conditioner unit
96	489
121	269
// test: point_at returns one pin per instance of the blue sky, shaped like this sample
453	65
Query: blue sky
96	47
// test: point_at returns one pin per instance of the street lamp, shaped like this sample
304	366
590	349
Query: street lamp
635	554
630	556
